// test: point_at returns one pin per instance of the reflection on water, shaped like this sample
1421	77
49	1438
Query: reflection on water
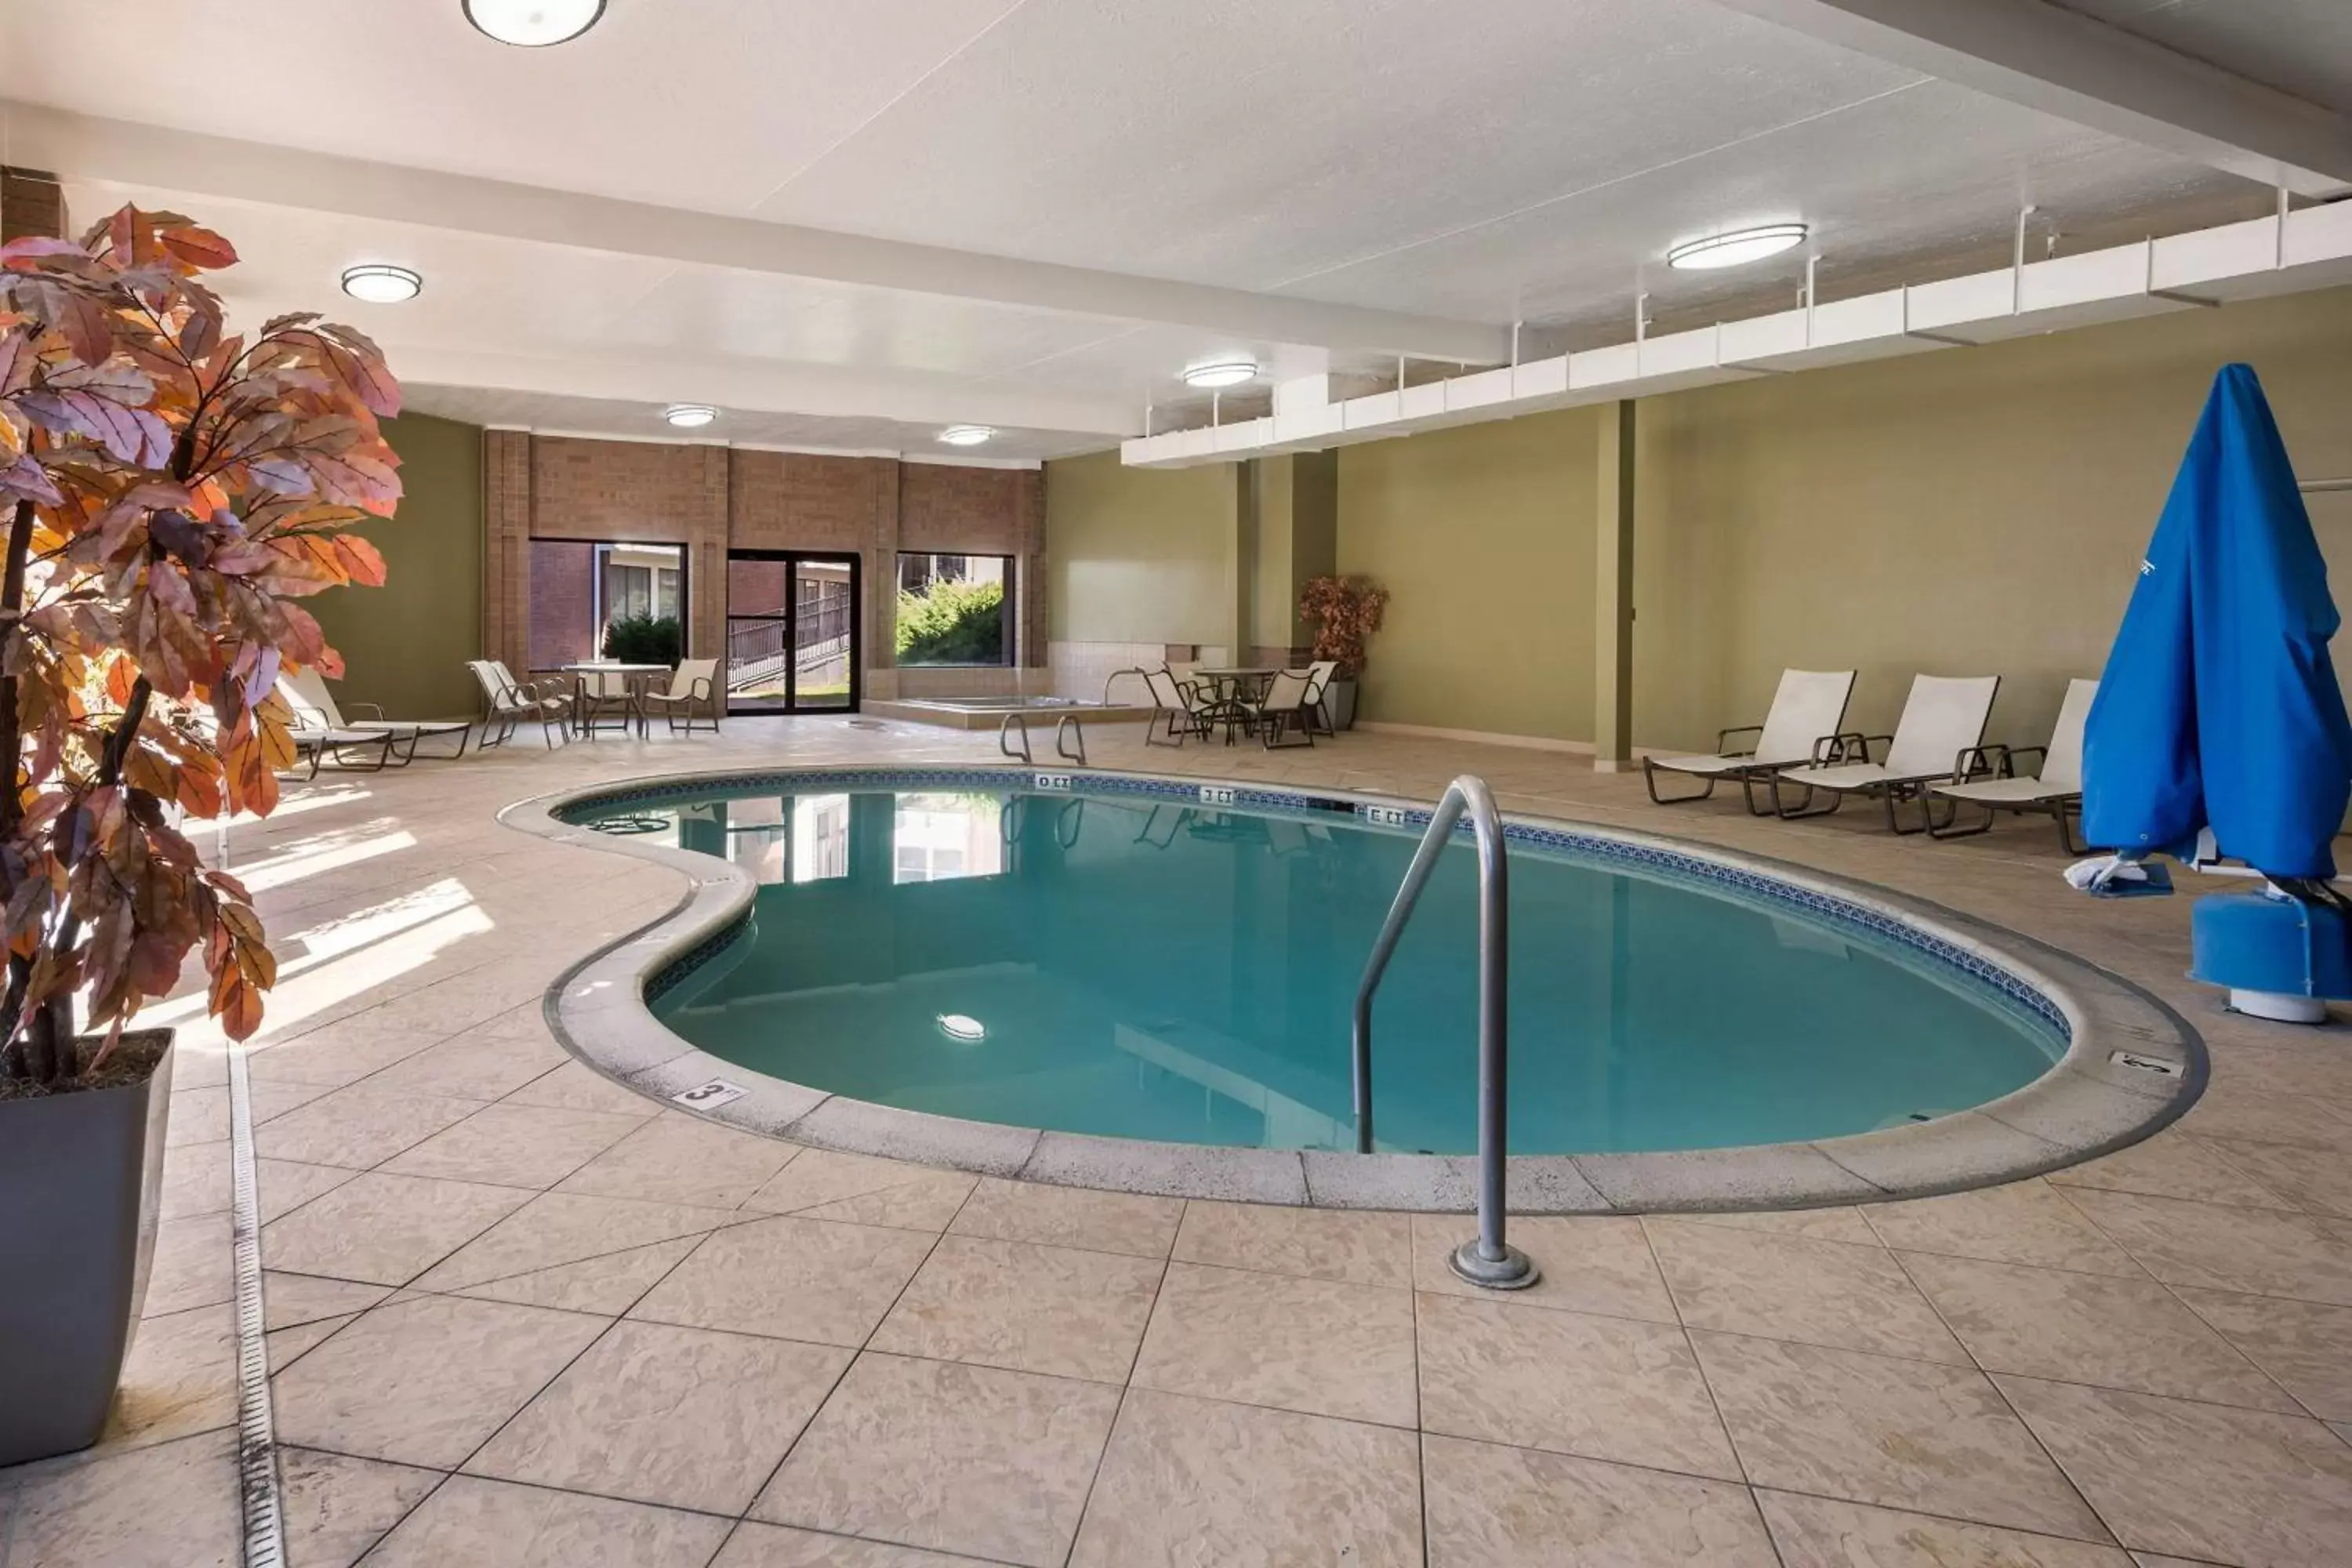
939	837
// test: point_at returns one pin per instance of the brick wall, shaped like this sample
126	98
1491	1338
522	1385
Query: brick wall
30	203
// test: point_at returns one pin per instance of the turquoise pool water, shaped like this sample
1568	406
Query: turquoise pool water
1180	972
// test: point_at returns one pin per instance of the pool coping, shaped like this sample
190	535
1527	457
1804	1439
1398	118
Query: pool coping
2093	1100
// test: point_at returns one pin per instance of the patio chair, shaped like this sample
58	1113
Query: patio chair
2055	786
510	703
1800	728
1319	676
693	693
1939	739
1178	708
357	750
603	695
307	692
1287	706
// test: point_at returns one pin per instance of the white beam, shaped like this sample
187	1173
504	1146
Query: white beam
2079	69
82	146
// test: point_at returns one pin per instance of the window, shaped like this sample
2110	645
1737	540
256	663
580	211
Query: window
942	837
580	587
955	609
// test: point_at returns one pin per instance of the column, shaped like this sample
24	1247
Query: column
1613	579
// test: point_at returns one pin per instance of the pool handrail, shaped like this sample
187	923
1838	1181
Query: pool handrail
1487	1259
1068	727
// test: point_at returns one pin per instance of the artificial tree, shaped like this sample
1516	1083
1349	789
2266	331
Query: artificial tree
169	489
1345	610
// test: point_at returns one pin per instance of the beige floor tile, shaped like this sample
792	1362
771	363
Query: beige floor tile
1900	1433
337	1507
2229	1111
681	1418
609	1285
1601	1388
192	1266
1817	1532
2320	1182
1596	1264
1026	1308
2198	1480
2172	1165
195	1180
756	1545
558	1228
197	1116
2308	1347
862	1190
2025	1222
180	1378
955	1458
1842	1222
471	1523
1793	1288
382	1229
1492	1507
2089	1327
470	1067
336	1055
357	1128
516	1145
2210	1247
676	1158
424	1381
1197	1482
794	1278
284	1185
289	1300
170	1506
1131	1223
1314	1345
287	1346
576	1086
1319	1244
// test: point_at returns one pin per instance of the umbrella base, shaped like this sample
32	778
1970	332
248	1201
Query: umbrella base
2278	1008
2281	959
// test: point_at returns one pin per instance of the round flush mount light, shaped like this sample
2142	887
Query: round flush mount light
1220	372
965	436
1736	248
534	24
690	416
380	283
963	1028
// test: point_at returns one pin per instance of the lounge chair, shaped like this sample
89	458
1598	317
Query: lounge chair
1939	739
511	702
2055	786
316	710
1800	728
1289	705
1178	708
693	694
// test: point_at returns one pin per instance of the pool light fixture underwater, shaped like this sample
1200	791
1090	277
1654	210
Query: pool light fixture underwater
382	283
1736	249
962	1027
534	24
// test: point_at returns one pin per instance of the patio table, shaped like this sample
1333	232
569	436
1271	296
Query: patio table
634	678
1235	686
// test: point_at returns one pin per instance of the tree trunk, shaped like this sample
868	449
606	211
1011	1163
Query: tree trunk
12	1059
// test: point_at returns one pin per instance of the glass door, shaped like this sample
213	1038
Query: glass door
791	632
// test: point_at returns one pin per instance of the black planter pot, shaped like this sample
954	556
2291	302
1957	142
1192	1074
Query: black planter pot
82	1175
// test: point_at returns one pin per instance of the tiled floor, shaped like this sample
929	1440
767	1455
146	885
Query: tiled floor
521	1316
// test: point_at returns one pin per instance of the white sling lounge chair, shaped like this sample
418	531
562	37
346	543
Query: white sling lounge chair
1177	709
2055	787
509	702
315	710
692	697
1938	740
1799	729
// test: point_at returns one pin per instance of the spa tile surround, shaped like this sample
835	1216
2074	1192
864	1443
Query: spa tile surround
519	1314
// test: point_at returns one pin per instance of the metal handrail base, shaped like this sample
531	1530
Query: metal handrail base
1488	1260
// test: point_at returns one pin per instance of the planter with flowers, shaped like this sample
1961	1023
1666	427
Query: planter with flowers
168	490
1344	611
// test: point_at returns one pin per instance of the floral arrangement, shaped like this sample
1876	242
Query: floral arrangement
1345	611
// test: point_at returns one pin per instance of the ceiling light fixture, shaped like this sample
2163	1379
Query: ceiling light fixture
380	283
966	435
690	416
1736	248
534	24
1220	372
962	1026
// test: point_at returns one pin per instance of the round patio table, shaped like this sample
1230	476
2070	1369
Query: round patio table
634	679
1237	687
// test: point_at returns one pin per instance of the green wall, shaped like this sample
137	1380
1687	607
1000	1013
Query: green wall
406	644
1141	555
1484	537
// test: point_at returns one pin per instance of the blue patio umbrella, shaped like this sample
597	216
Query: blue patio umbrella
2219	706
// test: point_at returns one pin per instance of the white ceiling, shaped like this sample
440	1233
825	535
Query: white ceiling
1506	160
